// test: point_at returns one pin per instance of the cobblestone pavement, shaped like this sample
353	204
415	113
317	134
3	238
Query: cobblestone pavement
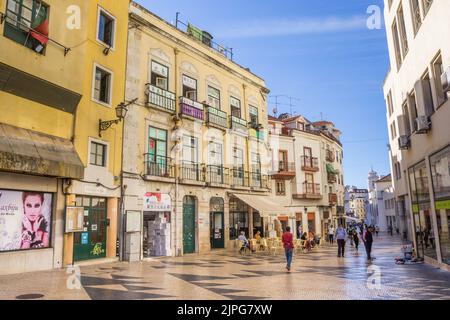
227	275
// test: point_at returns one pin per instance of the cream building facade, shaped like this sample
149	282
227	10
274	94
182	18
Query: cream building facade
416	91
195	148
307	173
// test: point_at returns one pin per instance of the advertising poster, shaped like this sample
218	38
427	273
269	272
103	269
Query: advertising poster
157	202
25	220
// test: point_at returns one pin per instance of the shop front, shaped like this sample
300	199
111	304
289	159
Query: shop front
217	223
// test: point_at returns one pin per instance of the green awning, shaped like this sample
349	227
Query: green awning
331	170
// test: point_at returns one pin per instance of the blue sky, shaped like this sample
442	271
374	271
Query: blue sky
320	52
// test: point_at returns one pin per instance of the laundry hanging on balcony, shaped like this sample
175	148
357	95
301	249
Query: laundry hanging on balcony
331	170
40	26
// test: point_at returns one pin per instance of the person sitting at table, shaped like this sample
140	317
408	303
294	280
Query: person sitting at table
258	236
304	236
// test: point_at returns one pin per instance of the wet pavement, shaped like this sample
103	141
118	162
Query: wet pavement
227	275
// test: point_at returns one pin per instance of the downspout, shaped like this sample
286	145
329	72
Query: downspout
177	250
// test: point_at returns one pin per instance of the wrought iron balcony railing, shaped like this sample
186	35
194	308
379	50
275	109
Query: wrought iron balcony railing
159	166
217	174
238	124
216	117
310	163
161	99
191	109
191	171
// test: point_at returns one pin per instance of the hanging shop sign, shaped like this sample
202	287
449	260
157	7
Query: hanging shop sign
74	219
157	202
25	220
443	205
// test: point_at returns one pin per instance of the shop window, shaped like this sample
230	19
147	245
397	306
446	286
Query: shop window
238	218
26	220
98	154
106	28
27	23
102	85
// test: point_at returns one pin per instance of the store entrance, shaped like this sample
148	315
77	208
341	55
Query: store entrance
156	235
188	224
217	234
91	243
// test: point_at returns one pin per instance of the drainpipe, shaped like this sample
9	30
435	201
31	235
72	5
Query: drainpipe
177	250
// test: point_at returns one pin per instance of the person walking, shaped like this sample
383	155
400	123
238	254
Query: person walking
368	240
355	239
331	235
288	245
341	234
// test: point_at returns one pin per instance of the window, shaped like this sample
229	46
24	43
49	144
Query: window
389	103
406	118
190	147
415	14
214	97
280	187
426	4
398	54
282	160
189	88
398	172
402	29
235	105
413	109
254	117
157	144
215	154
102	85
393	130
27	23
106	28
428	94
438	70
98	154
159	76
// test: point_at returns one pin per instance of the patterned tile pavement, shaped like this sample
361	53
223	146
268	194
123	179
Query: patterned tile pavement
227	275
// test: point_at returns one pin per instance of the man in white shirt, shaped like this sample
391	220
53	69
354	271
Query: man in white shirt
331	235
341	235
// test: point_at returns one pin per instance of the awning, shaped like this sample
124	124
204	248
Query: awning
264	205
353	219
331	170
27	151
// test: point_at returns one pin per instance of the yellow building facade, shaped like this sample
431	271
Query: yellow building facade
195	148
62	70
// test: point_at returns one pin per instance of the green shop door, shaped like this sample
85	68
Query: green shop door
91	243
188	224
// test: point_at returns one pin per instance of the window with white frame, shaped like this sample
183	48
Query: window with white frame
416	15
189	88
106	27
97	154
214	97
235	105
102	85
159	75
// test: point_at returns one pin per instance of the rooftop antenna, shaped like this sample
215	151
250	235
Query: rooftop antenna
291	105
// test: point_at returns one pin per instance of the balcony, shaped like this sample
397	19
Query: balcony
161	99
331	178
217	175
310	191
216	118
238	124
239	178
340	210
257	134
310	163
330	156
286	170
191	171
332	199
192	109
159	166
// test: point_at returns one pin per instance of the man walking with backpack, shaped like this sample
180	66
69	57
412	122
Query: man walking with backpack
341	235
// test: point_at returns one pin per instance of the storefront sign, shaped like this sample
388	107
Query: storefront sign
94	190
443	205
25	220
157	202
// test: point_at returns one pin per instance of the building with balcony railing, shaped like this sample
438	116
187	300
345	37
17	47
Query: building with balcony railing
301	168
189	150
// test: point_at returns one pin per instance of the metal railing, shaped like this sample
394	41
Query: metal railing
330	156
191	108
331	178
190	171
286	166
216	117
239	178
310	163
217	174
161	98
203	37
158	166
332	198
311	188
238	124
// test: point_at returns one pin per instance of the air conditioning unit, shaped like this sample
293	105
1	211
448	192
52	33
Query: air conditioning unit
423	125
404	143
445	80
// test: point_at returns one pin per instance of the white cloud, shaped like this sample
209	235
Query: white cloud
275	28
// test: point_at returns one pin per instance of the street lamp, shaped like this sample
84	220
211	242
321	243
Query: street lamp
121	112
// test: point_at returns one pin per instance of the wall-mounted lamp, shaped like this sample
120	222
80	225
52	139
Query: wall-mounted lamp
106	51
121	112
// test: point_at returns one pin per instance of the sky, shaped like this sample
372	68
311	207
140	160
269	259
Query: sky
319	52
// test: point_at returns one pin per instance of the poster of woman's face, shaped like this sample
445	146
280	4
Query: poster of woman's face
25	220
